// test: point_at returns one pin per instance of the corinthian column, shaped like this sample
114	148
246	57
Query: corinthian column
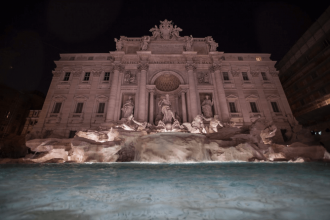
221	93
113	92
184	110
143	67
192	91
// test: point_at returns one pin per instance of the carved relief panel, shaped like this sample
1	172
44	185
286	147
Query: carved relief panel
203	77
130	77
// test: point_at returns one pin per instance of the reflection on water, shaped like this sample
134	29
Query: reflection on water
165	191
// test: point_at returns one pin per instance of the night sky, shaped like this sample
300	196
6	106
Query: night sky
33	33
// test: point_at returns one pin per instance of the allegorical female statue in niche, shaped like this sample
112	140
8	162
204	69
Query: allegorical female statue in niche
128	107
165	106
207	107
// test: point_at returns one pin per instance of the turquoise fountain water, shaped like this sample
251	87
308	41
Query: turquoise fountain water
165	191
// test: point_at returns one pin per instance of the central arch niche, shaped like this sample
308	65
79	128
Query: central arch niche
167	82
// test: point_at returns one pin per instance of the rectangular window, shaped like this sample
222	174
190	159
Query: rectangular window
71	58
106	76
87	75
240	58
232	107
275	107
253	107
225	76
101	107
57	107
90	58
245	76
72	134
67	76
79	107
264	77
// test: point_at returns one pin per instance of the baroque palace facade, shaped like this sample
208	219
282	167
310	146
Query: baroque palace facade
89	90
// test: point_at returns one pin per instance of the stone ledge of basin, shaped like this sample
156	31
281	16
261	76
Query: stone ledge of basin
77	140
47	144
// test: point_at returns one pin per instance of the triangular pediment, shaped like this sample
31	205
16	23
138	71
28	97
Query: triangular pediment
102	98
59	98
273	97
81	98
252	97
231	97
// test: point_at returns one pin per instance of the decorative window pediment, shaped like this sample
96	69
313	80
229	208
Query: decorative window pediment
59	98
231	98
81	98
102	98
252	98
272	97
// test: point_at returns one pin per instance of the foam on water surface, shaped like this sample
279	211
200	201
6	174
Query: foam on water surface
165	191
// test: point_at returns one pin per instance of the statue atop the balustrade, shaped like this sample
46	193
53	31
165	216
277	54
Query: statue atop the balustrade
144	42
128	107
155	32
212	44
131	125
175	32
119	44
214	122
165	106
207	107
189	42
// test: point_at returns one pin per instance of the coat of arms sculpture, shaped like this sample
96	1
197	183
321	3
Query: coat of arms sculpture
166	31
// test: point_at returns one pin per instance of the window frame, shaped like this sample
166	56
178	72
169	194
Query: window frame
254	109
87	76
264	76
230	106
277	106
98	108
77	109
108	77
224	76
67	76
54	107
247	77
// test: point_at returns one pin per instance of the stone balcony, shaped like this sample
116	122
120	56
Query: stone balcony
98	117
268	84
228	84
248	84
104	85
53	118
76	117
63	85
84	85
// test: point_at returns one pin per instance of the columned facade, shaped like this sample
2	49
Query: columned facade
99	89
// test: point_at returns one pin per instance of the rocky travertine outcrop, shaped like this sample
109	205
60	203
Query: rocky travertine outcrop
252	143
